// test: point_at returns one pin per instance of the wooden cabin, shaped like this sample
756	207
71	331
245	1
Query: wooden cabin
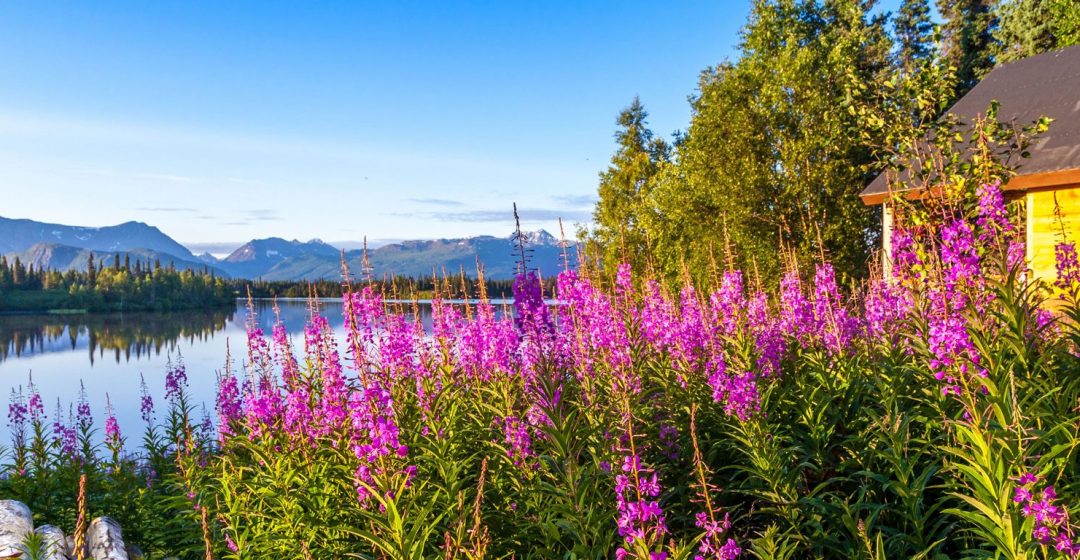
1046	85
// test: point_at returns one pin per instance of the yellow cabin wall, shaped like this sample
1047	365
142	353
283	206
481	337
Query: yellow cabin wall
1044	230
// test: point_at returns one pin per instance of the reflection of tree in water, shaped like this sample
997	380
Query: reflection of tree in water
124	335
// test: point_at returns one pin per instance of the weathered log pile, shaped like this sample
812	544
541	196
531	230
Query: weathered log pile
104	539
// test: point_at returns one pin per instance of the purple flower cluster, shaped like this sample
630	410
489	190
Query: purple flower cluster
65	434
112	427
17	415
175	380
517	439
1051	522
993	218
713	546
146	402
1068	267
83	417
640	518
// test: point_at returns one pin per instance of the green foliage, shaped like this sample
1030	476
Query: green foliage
126	287
769	164
1030	27
623	215
968	39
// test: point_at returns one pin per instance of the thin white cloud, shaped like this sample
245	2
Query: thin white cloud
78	129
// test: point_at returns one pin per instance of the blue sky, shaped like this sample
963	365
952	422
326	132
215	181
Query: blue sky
227	121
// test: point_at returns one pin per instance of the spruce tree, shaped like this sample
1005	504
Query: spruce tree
1030	27
914	34
968	37
620	214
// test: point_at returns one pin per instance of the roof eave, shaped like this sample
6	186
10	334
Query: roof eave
1047	179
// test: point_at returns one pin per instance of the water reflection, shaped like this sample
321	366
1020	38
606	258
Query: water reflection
122	337
110	352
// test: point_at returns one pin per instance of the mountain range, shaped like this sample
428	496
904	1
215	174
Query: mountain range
61	247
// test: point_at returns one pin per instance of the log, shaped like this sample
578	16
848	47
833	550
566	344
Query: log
55	544
16	522
105	540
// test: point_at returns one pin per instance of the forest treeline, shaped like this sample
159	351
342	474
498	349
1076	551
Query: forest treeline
123	285
126	285
817	102
404	287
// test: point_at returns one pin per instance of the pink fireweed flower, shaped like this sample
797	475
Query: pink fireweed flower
17	414
298	417
364	313
112	427
533	320
836	325
713	546
767	332
694	335
905	255
659	323
283	355
487	345
885	305
34	406
958	253
262	408
1051	525
446	323
374	433
146	402
259	356
229	405
993	218
530	309
83	416
1068	267
397	348
593	331
796	311
175	380
1016	256
322	351
737	391
517	439
65	434
728	303
640	517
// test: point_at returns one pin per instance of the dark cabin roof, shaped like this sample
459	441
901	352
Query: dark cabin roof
1045	85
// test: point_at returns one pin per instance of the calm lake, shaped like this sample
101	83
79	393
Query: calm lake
108	352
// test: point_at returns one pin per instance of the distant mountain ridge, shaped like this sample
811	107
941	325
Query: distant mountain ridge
61	247
276	259
53	256
20	235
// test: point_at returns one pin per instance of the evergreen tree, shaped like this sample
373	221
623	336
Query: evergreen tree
91	271
968	36
773	160
1030	27
18	273
625	186
914	34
